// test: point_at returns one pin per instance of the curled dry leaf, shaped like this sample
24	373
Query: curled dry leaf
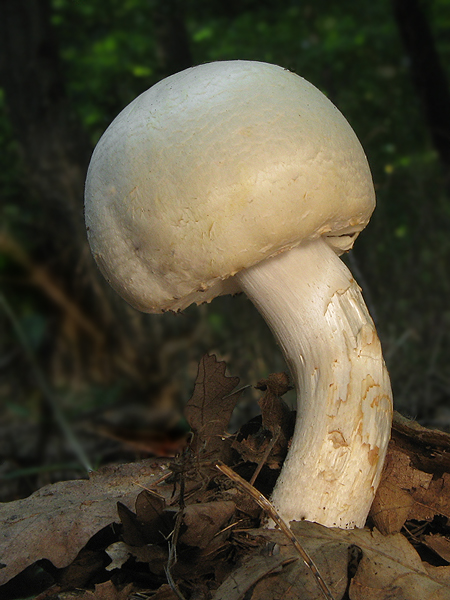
58	520
151	523
274	411
267	440
155	556
119	553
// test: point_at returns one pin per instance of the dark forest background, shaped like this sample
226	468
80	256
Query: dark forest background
67	343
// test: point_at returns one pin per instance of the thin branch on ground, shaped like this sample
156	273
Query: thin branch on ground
270	510
275	435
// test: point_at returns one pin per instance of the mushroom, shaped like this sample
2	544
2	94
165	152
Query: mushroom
241	176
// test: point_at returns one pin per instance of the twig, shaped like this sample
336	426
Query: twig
284	527
237	391
149	490
172	584
40	277
45	388
230	526
273	441
172	559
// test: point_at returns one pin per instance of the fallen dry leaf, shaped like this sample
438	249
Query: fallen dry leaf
209	410
204	521
441	575
216	554
394	500
107	591
151	523
284	574
433	501
267	440
119	553
274	410
295	580
390	508
155	556
165	592
390	568
439	544
58	520
414	484
80	570
242	579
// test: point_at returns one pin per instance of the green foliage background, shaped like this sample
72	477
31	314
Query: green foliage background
352	52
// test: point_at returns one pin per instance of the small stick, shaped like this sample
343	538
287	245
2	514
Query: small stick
172	559
172	584
237	391
273	441
284	527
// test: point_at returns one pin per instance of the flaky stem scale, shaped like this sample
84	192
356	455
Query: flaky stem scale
316	312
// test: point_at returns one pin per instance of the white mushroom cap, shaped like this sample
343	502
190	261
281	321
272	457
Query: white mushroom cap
213	170
241	176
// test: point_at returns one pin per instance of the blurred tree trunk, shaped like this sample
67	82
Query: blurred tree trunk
427	73
55	151
172	43
97	335
86	329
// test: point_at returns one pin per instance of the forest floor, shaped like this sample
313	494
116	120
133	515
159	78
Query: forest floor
190	526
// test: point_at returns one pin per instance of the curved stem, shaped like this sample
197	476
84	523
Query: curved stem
315	309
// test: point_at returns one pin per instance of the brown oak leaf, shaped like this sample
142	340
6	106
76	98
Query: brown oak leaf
209	410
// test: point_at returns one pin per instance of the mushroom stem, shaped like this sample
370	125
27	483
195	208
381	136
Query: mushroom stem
316	311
